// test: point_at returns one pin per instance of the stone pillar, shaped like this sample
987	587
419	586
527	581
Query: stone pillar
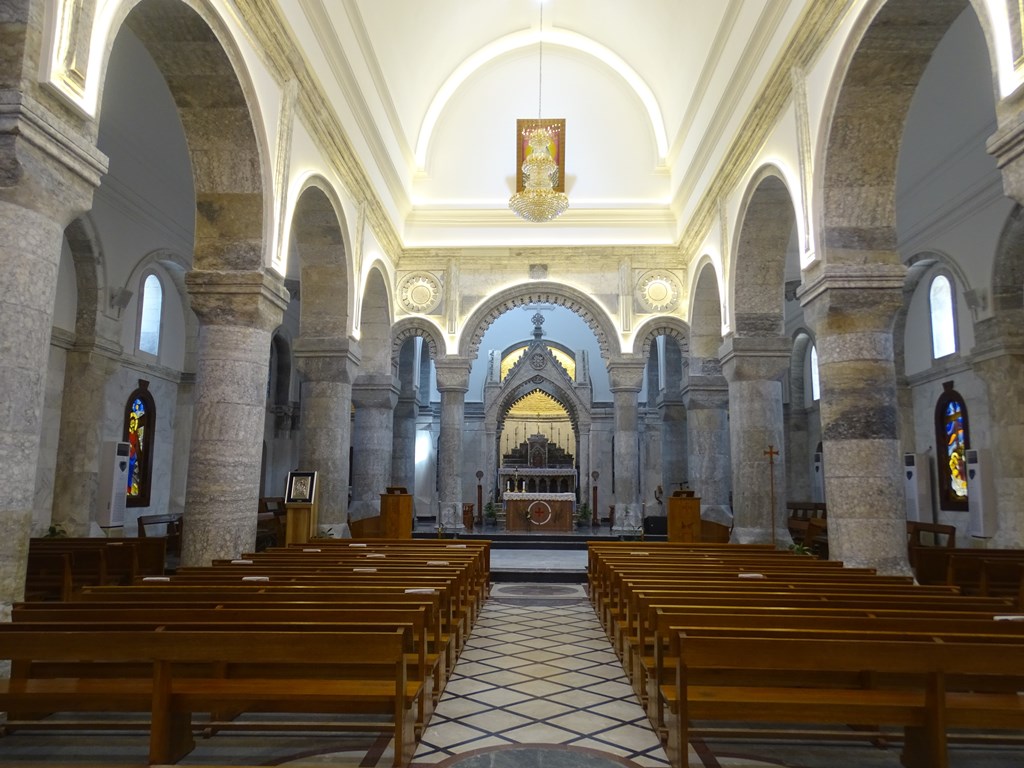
403	449
674	467
452	383
374	397
583	463
327	368
851	309
237	312
49	170
184	417
999	361
76	483
754	368
706	396
626	379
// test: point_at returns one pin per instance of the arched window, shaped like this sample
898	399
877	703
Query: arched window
139	428
815	381
952	439
940	300
150	315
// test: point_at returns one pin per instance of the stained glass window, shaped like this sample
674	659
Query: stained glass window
953	440
139	425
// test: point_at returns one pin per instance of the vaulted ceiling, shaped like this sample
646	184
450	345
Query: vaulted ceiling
652	91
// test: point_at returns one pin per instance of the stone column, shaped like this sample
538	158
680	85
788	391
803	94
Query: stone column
50	170
237	312
327	368
754	368
706	396
674	467
452	383
626	379
89	366
403	450
583	463
851	309
999	361
374	397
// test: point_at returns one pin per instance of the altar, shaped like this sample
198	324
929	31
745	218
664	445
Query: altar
542	512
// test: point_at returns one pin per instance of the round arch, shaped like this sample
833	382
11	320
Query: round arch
410	327
757	269
1008	268
319	242
375	321
706	314
539	292
673	327
857	154
229	156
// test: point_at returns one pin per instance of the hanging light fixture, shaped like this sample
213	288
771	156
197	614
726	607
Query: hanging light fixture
538	199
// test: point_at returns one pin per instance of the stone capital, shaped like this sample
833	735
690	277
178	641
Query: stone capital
853	299
327	359
755	359
452	374
48	165
1006	145
626	374
706	392
999	337
371	390
237	298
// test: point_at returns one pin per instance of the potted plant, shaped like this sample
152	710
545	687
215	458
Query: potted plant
583	515
490	514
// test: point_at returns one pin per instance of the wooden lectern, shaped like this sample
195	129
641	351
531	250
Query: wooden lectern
301	518
684	519
396	514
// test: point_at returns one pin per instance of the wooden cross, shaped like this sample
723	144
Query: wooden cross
771	453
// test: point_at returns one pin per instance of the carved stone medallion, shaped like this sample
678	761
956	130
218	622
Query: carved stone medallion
658	291
419	292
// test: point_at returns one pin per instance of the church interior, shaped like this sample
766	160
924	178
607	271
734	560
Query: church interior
541	268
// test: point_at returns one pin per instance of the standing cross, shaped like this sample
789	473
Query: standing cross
771	453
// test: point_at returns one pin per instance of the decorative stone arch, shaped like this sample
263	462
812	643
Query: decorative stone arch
857	158
539	292
410	327
672	327
318	239
206	75
766	224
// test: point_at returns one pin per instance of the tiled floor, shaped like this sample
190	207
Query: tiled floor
539	673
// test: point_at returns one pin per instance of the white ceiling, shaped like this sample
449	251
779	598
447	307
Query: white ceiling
429	92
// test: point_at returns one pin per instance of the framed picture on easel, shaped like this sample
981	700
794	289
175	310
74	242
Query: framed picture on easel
301	488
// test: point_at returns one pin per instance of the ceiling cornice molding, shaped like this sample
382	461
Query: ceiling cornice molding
640	256
725	109
275	40
818	22
718	46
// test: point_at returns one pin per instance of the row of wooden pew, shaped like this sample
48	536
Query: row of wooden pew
58	566
367	632
750	635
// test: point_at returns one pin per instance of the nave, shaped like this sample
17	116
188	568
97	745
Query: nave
536	686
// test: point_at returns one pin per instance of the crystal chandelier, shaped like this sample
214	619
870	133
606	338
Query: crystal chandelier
539	201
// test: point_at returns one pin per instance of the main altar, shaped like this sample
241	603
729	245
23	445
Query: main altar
538	482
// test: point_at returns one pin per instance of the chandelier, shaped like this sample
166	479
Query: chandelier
539	201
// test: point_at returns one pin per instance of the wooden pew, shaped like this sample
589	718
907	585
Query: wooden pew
925	710
310	661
